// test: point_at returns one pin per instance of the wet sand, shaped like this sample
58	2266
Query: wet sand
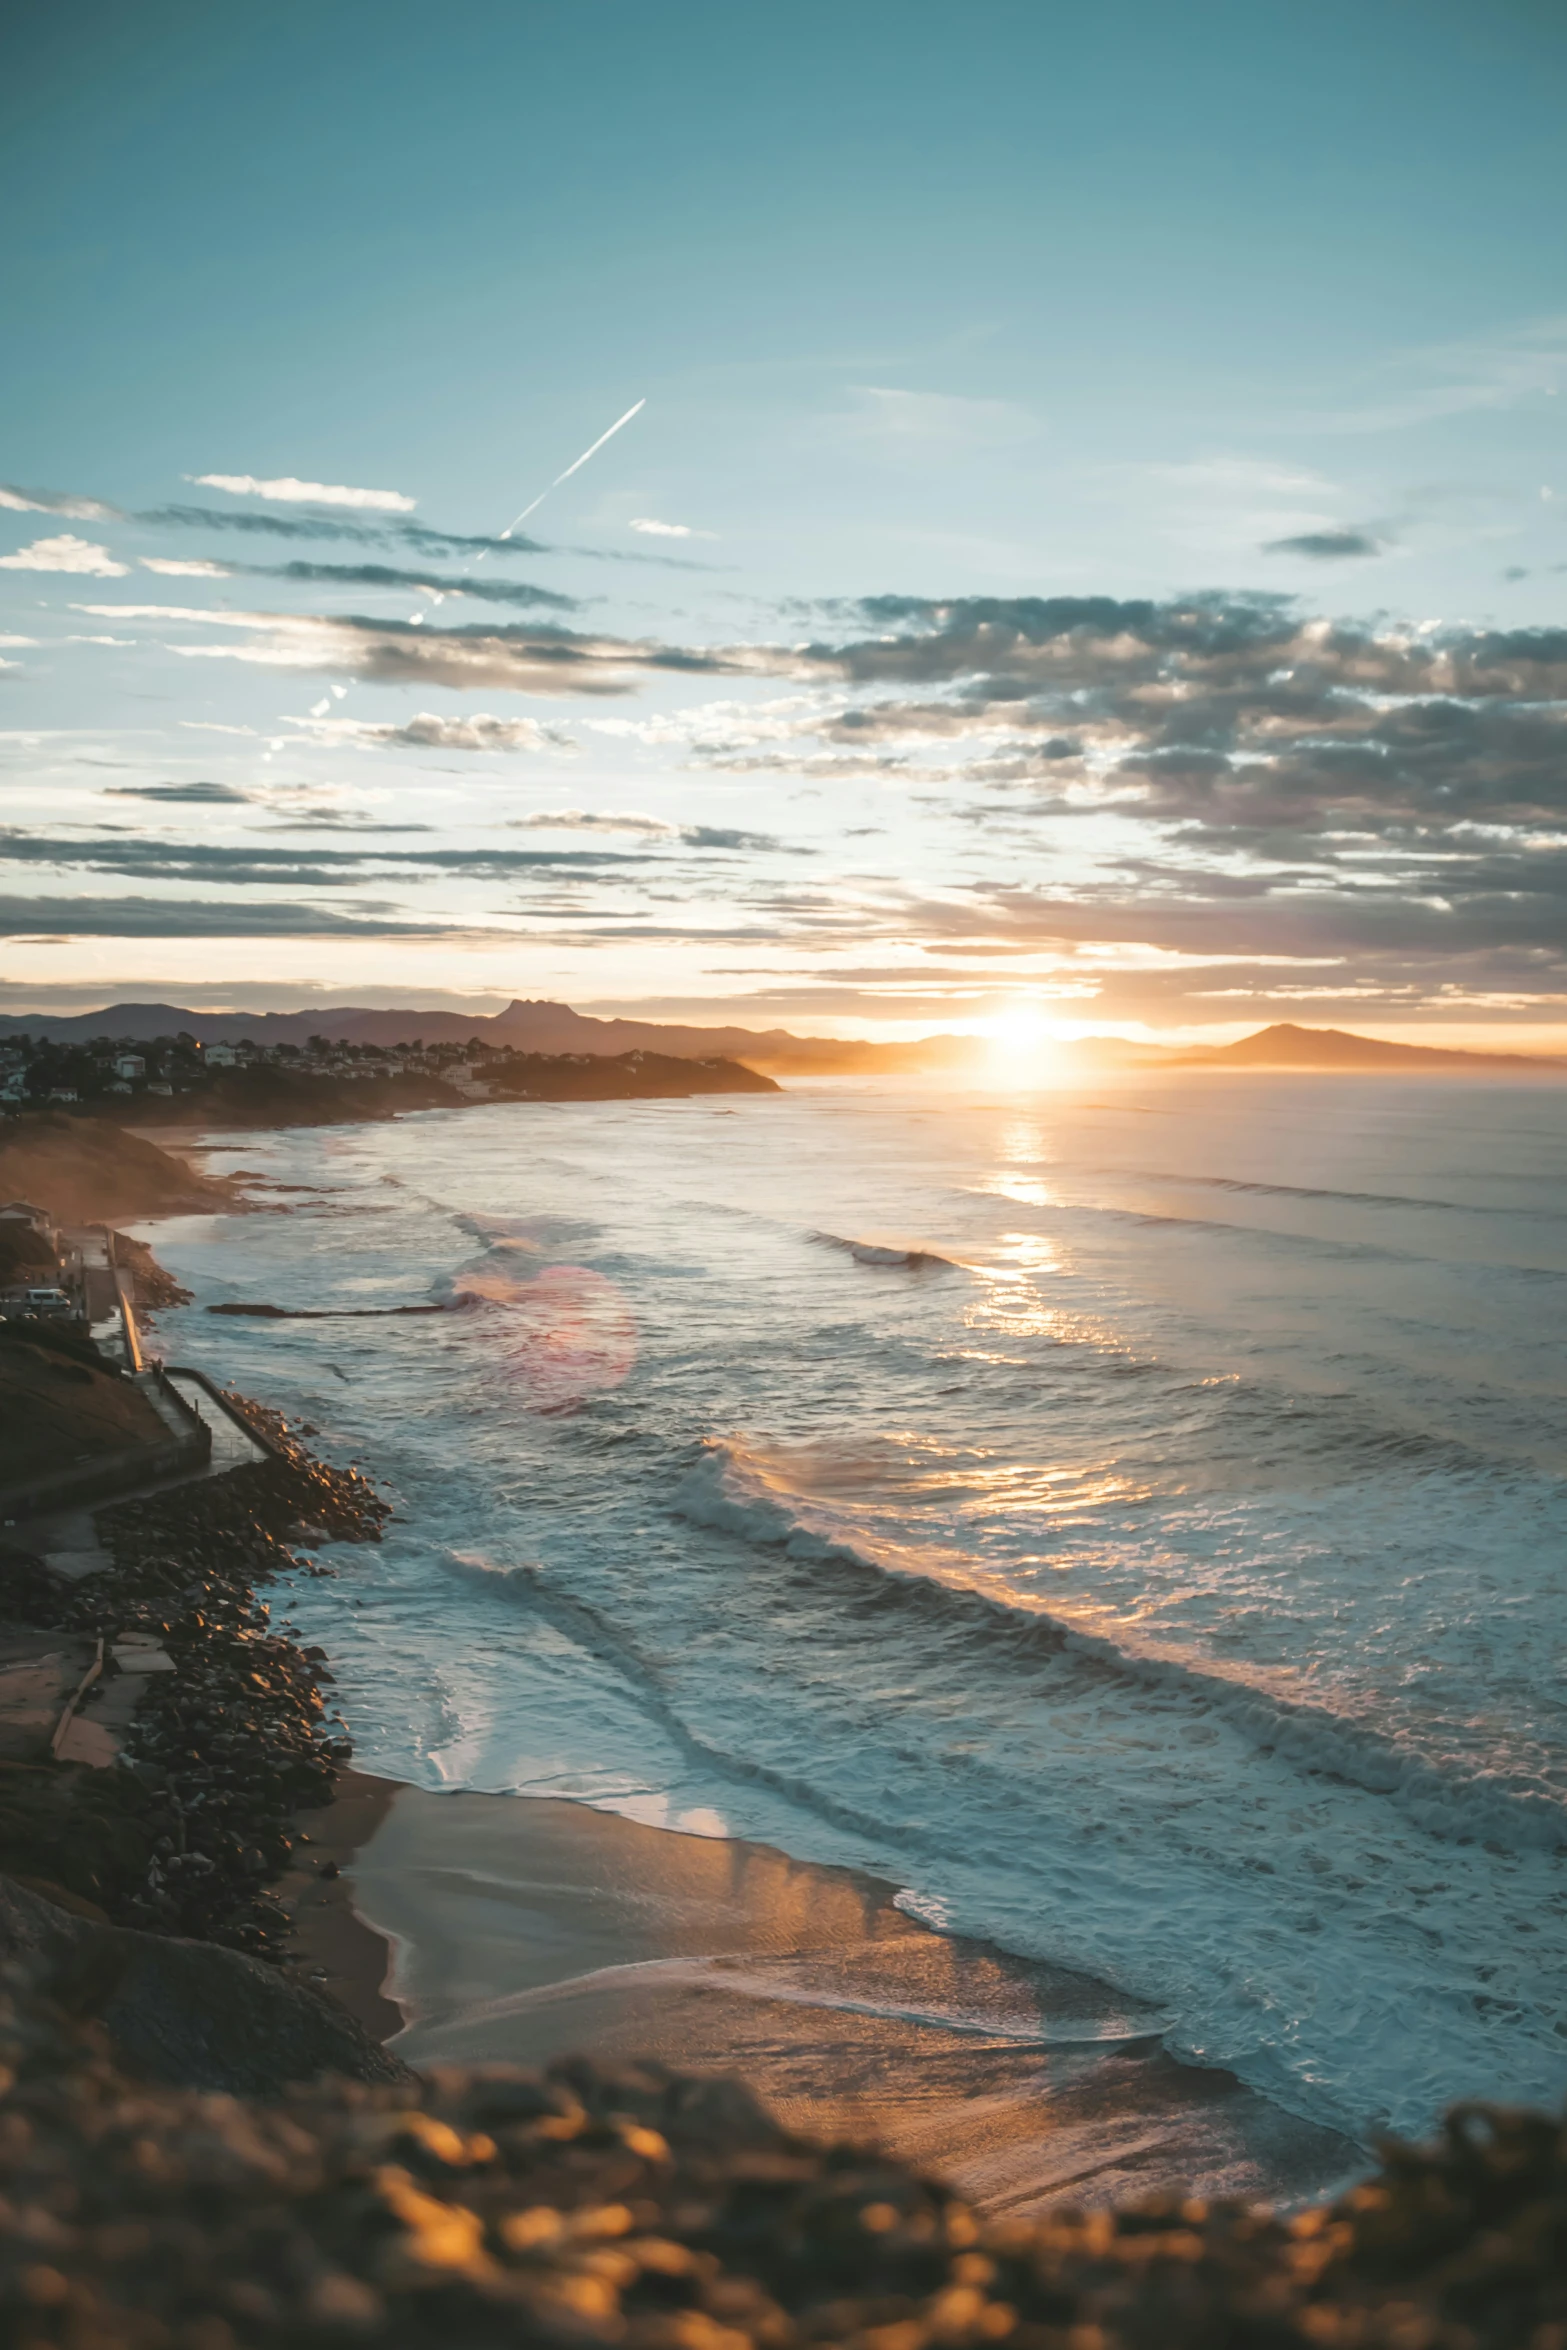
523	1929
338	1952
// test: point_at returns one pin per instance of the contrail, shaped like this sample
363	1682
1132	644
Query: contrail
415	619
571	469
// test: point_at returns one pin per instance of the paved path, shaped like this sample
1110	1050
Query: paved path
232	1444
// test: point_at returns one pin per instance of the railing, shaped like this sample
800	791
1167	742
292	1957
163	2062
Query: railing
133	1353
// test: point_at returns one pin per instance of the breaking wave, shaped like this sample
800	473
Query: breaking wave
736	1492
886	1257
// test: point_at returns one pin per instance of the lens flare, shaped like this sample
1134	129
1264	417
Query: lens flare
568	1333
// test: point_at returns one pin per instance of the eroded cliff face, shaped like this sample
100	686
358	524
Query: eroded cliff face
86	1171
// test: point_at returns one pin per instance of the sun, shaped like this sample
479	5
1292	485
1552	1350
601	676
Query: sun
1022	1043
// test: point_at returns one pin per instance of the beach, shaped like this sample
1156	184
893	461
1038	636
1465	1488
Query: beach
515	1929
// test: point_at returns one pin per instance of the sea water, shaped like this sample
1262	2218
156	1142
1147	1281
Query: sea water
1130	1517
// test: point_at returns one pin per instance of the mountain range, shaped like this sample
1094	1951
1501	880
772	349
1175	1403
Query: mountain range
543	1027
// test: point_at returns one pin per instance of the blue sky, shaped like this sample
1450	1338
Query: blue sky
1109	473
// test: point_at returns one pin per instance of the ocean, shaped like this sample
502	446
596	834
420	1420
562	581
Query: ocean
1128	1517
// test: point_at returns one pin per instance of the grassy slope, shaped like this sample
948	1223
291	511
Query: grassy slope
57	1414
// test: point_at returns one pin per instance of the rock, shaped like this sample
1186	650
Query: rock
188	2014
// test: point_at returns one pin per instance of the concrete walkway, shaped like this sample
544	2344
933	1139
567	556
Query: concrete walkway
232	1443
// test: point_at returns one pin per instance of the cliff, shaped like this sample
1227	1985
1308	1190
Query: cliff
85	1171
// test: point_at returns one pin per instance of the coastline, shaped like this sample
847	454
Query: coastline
468	1928
522	1929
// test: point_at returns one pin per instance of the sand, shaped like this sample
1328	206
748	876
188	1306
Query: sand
522	1929
338	1953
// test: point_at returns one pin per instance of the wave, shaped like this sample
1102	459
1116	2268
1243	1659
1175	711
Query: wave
1355	1199
882	1257
593	1632
732	1492
761	1976
539	1231
1306	1244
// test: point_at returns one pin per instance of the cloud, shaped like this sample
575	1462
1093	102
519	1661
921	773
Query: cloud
195	794
277	526
420	538
920	422
692	836
239	865
595	820
543	659
66	553
1459	379
1326	546
18	640
341	820
668	530
386	575
724	836
1148	786
140	917
19	501
173	568
285	490
427	732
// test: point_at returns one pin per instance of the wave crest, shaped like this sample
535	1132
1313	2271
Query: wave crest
736	1492
884	1256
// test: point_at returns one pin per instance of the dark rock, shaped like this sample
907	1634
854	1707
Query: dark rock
186	2013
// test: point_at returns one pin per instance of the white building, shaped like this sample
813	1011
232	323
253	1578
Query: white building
220	1056
130	1065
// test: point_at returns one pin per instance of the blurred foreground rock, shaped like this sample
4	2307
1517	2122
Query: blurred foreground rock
630	2207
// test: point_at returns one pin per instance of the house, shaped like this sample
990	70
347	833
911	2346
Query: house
220	1056
156	1087
130	1065
63	1093
22	1211
36	1220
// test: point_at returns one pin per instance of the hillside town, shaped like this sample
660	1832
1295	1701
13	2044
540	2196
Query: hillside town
107	1069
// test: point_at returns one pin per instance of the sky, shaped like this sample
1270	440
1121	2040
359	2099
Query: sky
1092	546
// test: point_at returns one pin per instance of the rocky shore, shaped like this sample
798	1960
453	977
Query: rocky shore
224	1750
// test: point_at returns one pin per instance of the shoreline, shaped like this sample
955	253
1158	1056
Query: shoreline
522	1929
337	1953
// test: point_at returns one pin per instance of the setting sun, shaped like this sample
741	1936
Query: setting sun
1022	1043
